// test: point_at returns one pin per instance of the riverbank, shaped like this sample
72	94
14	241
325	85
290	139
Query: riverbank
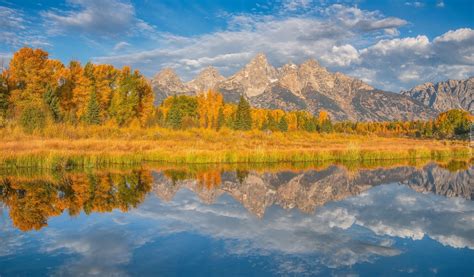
66	148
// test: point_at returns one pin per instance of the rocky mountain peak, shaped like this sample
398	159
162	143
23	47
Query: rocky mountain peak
443	96
254	77
311	87
167	77
207	79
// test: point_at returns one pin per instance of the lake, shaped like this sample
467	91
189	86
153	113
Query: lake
240	220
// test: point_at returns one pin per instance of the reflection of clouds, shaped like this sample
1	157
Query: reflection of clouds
281	232
297	242
400	212
11	239
100	252
388	210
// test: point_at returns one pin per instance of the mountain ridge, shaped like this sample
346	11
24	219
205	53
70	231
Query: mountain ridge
445	95
307	86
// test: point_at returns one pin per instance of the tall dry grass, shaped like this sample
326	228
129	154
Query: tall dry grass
68	146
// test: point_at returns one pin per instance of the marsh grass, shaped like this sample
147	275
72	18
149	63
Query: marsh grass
102	146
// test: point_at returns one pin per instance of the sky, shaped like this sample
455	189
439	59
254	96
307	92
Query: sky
391	44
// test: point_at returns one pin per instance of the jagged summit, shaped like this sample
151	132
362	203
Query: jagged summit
206	79
253	79
443	96
307	86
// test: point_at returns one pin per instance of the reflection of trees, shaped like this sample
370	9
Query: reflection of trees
33	201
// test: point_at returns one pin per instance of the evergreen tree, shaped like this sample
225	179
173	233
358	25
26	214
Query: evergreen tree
220	119
32	118
310	125
243	118
51	100
175	115
92	115
4	102
283	124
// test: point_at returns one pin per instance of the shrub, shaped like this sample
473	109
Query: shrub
33	118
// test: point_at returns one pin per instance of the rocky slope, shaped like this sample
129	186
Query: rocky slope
443	96
311	189
308	86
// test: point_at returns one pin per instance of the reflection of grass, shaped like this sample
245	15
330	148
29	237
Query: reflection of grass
456	165
200	147
180	171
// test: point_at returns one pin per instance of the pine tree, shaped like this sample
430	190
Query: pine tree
220	119
243	118
4	102
92	115
175	115
51	100
283	124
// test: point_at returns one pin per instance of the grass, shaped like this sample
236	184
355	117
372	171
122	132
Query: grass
62	146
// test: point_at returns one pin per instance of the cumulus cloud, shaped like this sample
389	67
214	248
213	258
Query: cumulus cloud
354	41
283	38
405	62
107	17
354	17
342	55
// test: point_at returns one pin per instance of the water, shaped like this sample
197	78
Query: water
400	220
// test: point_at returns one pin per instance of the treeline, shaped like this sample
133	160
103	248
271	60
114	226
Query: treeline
36	90
209	111
449	124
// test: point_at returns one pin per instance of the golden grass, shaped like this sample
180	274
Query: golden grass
64	146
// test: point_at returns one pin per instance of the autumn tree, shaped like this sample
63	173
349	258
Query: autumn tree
453	123
209	105
132	99
31	73
324	121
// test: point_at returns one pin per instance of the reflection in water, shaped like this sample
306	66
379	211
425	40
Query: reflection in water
324	220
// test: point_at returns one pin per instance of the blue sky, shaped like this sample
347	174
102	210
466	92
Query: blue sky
391	44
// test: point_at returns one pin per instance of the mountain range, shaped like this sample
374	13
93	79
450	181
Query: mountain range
310	86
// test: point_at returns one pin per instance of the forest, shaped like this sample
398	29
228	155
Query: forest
36	91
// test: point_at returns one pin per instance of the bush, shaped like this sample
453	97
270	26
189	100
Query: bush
33	118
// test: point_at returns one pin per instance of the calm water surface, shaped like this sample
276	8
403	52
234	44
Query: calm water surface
401	220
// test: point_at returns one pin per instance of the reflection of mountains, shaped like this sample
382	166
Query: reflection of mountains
33	200
308	190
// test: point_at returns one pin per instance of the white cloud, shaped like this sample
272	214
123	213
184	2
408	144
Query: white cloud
121	45
293	5
416	4
282	38
406	62
106	17
16	31
440	4
342	55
